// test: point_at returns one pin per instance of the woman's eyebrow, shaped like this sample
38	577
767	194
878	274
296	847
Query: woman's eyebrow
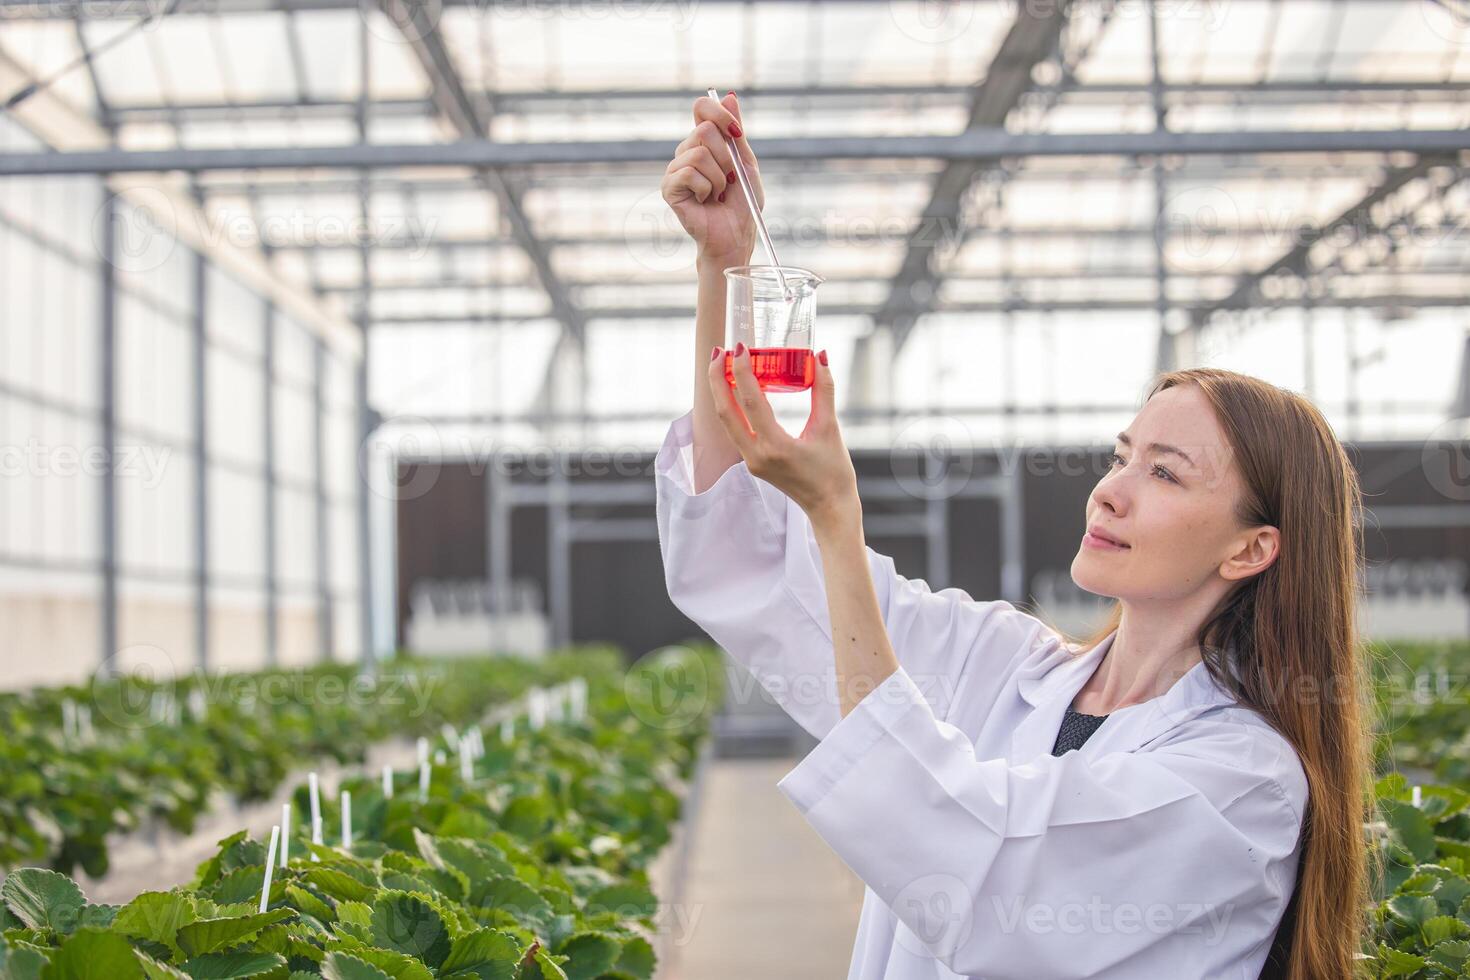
1159	447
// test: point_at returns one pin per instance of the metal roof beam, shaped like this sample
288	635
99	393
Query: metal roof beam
419	25
974	145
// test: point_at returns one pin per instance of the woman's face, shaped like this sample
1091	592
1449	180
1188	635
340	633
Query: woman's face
1173	504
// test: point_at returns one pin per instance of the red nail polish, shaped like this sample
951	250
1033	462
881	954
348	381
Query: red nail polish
823	357
732	92
714	352
721	198
740	349
730	176
735	131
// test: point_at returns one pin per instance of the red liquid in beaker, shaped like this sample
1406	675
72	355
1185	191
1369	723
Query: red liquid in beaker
777	368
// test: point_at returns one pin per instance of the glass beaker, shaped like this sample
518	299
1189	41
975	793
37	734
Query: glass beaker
778	333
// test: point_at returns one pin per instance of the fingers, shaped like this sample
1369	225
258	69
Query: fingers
700	160
727	407
708	135
747	155
753	401
685	181
824	391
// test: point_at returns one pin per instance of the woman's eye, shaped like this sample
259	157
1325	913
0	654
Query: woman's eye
1114	458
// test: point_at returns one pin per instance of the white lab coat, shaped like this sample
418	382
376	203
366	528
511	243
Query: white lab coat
1164	849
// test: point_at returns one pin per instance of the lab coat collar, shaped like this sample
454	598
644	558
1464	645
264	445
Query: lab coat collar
1050	684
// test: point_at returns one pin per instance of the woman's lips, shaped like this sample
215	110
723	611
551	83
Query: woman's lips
1091	540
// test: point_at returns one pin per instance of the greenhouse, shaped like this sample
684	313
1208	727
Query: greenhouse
734	489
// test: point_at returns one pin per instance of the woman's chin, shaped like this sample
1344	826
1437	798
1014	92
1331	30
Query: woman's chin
1092	579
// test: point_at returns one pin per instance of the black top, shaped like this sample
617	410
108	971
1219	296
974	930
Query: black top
1076	729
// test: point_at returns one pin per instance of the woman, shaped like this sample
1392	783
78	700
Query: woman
1142	804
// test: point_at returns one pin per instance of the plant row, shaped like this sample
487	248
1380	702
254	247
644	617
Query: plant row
536	866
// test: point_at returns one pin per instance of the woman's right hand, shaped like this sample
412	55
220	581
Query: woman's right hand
701	187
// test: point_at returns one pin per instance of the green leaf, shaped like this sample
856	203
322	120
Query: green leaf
637	959
589	955
488	954
410	925
22	962
515	897
345	966
1410	827
398	966
208	935
154	970
547	965
91	954
339	885
1413	910
43	899
1437	929
157	917
628	900
528	816
357	913
1397	963
1452	954
237	965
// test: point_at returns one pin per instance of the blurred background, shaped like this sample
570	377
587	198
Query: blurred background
337	327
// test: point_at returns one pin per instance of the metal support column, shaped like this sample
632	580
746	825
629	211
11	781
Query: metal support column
107	388
1161	188
368	654
323	514
498	545
1013	535
201	465
268	409
936	517
559	558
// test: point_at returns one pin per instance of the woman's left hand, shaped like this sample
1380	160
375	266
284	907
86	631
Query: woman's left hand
814	469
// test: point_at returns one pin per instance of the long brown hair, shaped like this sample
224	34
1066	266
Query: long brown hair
1293	632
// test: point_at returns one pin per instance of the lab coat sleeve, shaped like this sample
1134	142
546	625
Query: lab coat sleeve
741	560
1062	866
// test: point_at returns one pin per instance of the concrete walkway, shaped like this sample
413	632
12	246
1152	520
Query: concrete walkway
764	899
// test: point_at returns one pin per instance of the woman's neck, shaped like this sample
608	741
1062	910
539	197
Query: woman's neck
1151	650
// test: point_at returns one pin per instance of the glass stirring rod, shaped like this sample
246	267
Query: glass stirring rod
760	224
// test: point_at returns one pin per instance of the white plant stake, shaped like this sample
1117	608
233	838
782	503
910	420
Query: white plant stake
424	780
466	760
346	820
387	782
536	708
316	810
285	832
450	735
270	860
423	747
1418	796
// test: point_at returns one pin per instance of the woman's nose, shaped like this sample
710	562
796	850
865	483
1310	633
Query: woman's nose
1111	493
